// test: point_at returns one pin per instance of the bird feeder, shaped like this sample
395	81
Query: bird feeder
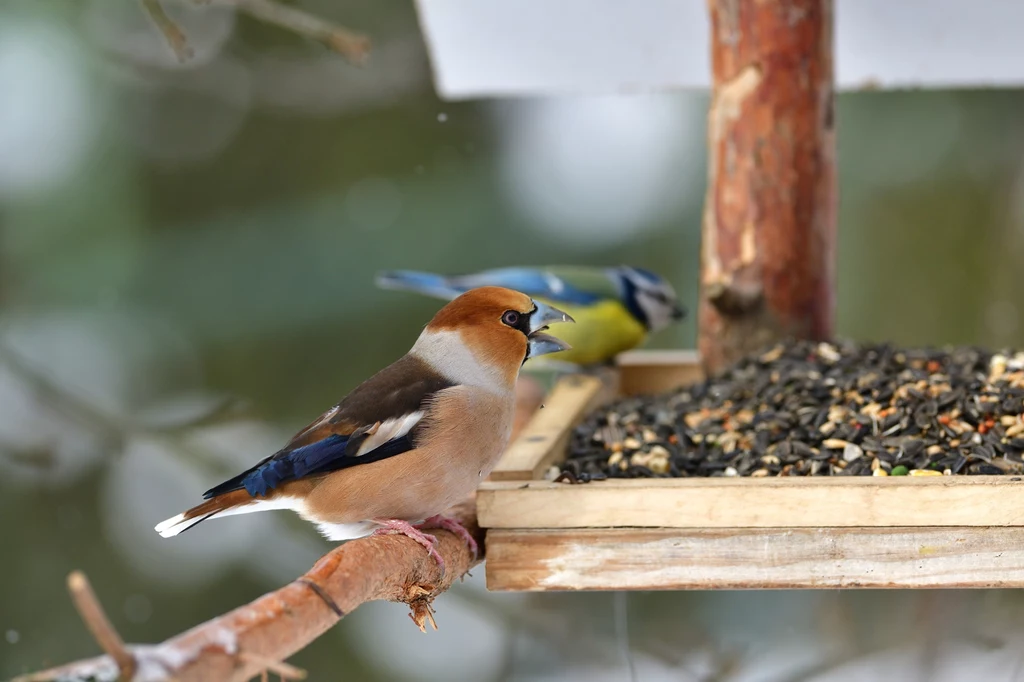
733	533
767	270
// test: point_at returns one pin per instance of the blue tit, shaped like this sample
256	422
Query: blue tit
615	308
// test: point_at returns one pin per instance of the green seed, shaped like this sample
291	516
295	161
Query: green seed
899	471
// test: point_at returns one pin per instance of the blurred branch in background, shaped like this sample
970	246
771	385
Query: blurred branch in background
355	47
113	430
172	32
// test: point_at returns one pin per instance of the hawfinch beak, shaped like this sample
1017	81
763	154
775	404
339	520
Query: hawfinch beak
540	343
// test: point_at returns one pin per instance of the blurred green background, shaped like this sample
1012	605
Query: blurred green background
178	241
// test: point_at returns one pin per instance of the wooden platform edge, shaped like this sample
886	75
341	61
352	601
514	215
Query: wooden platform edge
711	503
544	439
657	371
546	435
767	558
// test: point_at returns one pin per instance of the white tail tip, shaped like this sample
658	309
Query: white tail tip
175	525
179	524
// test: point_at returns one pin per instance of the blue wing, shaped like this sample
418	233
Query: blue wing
330	453
422	282
284	466
530	281
333	440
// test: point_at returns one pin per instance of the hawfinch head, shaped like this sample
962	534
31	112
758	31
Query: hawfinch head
502	328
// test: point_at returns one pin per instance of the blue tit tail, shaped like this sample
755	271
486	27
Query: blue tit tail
427	283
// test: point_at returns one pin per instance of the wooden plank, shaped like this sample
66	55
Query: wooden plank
656	371
671	559
546	435
755	503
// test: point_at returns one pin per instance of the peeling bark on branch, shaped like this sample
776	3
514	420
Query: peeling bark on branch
767	262
243	643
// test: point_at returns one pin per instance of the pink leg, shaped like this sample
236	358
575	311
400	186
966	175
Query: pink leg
392	526
453	526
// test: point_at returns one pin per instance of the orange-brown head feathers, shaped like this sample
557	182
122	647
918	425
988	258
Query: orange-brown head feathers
500	328
483	306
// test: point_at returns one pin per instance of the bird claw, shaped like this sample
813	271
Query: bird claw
452	526
393	526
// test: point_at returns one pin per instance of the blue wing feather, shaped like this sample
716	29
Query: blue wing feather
530	281
333	440
322	456
423	282
310	458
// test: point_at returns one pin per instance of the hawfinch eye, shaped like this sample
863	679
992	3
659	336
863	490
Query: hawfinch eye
511	318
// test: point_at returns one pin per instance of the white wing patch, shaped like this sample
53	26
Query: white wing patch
390	430
555	283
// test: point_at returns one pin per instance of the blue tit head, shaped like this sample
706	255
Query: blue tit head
648	297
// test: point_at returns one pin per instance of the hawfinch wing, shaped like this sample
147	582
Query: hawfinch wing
375	421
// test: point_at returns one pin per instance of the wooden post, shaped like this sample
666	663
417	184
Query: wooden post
769	232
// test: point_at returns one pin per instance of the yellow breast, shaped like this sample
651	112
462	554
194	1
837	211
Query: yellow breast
601	332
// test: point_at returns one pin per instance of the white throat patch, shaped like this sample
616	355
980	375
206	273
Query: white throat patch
446	352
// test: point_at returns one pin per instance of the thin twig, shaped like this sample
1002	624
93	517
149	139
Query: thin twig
99	625
353	46
174	35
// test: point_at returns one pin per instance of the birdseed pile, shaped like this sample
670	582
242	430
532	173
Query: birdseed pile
819	409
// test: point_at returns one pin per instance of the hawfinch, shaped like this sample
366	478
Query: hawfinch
410	441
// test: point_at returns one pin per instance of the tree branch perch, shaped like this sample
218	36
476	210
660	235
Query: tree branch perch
242	643
256	637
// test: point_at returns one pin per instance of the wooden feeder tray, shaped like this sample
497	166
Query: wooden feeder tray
733	533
